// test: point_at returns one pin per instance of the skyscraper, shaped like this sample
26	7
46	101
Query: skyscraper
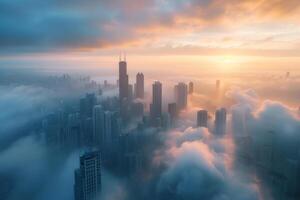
218	83
202	118
191	87
137	109
72	135
220	121
107	128
88	177
156	106
123	89
123	80
86	105
181	93
130	93
139	86
98	124
172	110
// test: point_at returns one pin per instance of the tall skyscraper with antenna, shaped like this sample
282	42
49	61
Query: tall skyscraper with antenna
123	86
123	79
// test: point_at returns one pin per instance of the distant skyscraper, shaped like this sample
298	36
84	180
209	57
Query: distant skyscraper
218	83
123	80
107	128
130	93
156	106
287	75
137	109
220	121
172	110
72	137
139	86
181	93
191	87
88	177
86	105
87	131
116	125
202	118
123	89
98	124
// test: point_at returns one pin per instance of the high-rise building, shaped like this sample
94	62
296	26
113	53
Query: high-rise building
172	110
87	135
123	80
139	86
220	121
123	89
107	128
181	93
130	93
72	136
86	105
116	126
202	118
218	83
287	75
88	177
191	87
156	106
98	125
137	109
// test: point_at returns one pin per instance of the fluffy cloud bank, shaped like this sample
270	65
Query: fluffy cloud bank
199	167
264	142
266	134
21	106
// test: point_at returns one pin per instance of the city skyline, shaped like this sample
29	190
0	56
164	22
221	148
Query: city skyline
150	100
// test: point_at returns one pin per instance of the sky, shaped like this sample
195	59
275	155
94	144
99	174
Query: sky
219	35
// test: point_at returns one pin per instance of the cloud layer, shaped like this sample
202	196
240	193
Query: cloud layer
199	166
60	25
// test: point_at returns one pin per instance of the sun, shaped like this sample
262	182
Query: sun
228	62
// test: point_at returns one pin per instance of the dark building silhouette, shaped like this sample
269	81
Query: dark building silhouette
88	177
130	93
137	109
181	93
220	121
218	83
139	86
72	135
172	110
202	118
98	125
87	104
123	89
123	80
191	87
156	106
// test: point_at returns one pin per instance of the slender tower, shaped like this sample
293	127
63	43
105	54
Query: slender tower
123	79
139	86
123	88
156	106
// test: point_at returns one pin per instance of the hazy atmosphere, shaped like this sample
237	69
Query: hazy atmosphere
150	99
